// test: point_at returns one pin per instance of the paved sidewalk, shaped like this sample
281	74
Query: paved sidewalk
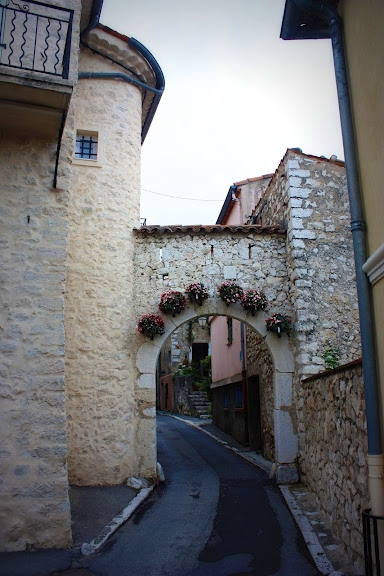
93	507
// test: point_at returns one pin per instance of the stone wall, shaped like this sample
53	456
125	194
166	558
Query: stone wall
173	260
33	236
333	448
100	313
259	363
309	195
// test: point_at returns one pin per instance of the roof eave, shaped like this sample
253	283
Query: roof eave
298	24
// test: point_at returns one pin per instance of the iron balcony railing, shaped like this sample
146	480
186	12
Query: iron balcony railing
373	532
35	37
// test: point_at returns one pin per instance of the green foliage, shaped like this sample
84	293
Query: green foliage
331	356
202	379
190	332
206	366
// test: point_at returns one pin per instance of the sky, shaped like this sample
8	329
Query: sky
236	97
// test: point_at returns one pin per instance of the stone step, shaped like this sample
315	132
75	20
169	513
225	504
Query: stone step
200	402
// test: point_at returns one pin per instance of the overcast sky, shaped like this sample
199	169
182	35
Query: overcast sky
236	97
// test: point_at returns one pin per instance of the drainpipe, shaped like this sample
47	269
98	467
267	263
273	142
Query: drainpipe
93	21
94	17
158	90
375	456
160	83
118	76
244	375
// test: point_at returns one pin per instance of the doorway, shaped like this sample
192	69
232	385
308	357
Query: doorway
254	414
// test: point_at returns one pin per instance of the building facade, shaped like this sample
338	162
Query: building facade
74	112
355	30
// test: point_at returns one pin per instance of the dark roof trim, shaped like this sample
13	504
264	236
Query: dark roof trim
227	203
299	24
94	17
160	83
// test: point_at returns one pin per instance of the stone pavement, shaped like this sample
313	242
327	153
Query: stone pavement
98	511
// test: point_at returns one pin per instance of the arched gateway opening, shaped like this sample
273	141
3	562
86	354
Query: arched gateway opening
169	258
284	435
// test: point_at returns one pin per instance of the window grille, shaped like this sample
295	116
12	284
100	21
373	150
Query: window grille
86	147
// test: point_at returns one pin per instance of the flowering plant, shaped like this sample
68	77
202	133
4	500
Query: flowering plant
254	300
171	301
150	324
279	323
196	291
230	291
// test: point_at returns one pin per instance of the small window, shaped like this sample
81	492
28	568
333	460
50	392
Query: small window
86	146
239	400
226	400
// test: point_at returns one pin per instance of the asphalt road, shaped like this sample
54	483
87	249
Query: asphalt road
215	515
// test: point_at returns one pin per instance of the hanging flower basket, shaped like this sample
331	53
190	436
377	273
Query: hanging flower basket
279	323
151	324
172	302
196	292
230	292
254	300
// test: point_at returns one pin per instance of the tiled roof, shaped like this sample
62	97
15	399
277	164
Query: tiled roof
250	180
208	229
332	160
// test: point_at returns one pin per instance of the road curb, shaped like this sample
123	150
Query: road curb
315	548
89	548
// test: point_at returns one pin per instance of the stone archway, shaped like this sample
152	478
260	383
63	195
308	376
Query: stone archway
283	367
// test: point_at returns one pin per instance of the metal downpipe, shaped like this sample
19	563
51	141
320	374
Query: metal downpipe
117	76
160	83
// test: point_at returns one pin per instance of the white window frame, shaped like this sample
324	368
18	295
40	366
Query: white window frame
90	162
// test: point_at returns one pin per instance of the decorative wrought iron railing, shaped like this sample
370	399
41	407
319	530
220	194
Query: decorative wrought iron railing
373	532
35	36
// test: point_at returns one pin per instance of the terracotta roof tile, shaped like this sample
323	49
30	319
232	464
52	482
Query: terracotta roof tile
208	229
250	180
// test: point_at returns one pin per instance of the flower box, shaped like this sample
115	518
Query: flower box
230	292
151	324
172	302
279	323
254	300
196	292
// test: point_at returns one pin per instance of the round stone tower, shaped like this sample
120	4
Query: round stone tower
117	93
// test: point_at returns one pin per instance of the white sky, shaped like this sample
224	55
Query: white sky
236	97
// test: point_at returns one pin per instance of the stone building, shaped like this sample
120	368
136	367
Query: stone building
74	113
307	195
354	29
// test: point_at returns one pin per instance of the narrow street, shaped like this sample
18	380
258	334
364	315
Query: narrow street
215	515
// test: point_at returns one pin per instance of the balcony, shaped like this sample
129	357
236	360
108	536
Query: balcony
35	65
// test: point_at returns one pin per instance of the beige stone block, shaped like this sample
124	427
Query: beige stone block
283	390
